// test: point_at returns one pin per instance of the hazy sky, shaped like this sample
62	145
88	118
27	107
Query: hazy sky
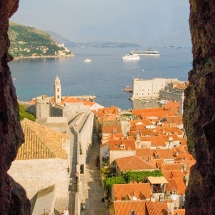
149	23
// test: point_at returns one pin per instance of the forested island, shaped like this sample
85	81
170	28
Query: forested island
30	42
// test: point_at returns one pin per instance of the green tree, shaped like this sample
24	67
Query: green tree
140	176
24	114
108	182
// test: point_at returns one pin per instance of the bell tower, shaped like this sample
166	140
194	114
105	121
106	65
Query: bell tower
57	91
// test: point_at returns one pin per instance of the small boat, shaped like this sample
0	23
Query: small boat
131	57
128	89
87	60
148	51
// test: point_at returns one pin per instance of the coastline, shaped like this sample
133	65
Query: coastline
47	56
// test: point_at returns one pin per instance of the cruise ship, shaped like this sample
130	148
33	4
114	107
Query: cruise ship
148	51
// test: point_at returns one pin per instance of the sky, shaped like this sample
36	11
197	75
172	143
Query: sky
149	23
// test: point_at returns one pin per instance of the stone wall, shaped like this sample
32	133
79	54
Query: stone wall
170	95
13	198
38	174
149	89
199	109
43	106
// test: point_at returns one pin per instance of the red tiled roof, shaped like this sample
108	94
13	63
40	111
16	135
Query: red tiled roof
133	163
179	212
143	153
129	144
163	153
108	110
156	208
154	112
173	106
176	184
174	166
185	156
68	99
174	119
141	190
112	129
158	140
125	207
176	181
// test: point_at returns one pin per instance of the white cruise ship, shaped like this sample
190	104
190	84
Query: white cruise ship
131	57
148	51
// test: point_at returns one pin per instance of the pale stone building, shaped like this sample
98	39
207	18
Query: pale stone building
149	89
54	106
43	160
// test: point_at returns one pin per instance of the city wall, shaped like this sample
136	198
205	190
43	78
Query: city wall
170	95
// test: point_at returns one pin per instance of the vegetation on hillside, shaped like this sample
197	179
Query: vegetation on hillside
24	114
28	41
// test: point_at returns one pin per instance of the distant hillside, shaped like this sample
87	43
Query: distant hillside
58	38
96	44
30	42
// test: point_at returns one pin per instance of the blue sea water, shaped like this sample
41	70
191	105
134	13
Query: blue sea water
104	77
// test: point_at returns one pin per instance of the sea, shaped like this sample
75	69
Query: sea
104	77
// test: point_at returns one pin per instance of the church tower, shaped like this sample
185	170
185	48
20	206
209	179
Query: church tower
57	91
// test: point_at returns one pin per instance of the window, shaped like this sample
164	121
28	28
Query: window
122	146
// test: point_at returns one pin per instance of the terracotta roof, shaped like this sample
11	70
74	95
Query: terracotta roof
68	99
173	106
41	142
158	140
174	119
133	163
179	212
176	181
163	153
141	190
127	144
125	207
149	132
108	110
156	208
176	184
143	153
174	166
140	122
184	156
154	112
147	110
112	129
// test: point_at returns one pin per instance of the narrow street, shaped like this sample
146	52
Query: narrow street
93	193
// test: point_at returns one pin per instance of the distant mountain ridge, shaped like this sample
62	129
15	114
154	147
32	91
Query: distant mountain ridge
58	38
96	44
30	42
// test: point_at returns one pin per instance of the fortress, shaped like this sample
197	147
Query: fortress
157	88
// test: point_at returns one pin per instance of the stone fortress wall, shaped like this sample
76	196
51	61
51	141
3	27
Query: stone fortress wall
149	89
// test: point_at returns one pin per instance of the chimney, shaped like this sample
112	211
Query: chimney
169	212
152	198
132	212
